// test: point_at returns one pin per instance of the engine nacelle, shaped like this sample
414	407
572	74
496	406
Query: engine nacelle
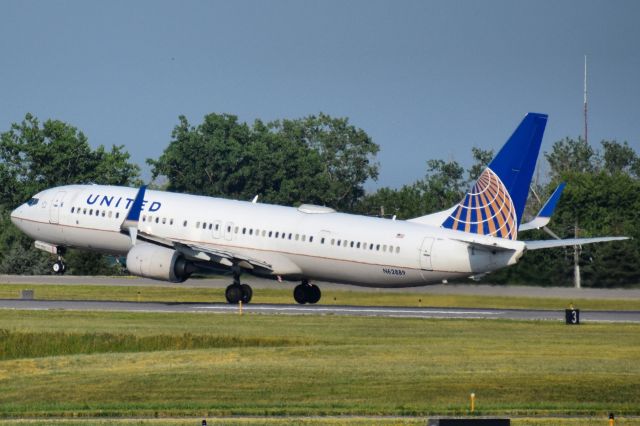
157	262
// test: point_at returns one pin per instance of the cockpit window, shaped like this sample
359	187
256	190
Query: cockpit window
32	202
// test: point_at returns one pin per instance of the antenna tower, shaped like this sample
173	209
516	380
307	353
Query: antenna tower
586	141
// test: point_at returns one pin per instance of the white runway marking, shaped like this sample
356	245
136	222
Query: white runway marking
350	310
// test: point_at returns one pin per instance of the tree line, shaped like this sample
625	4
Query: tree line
324	160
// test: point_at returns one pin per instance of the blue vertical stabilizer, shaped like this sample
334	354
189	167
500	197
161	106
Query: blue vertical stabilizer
495	204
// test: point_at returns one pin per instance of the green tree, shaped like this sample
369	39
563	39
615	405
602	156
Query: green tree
315	159
36	156
620	158
347	155
572	155
481	158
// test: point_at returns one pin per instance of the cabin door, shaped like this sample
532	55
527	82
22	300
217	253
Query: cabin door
56	206
425	254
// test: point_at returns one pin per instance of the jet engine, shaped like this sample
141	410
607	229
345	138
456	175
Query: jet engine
157	262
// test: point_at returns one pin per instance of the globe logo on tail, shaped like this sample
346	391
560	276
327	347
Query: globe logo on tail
487	209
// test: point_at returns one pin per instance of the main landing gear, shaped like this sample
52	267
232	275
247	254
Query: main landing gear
238	292
307	293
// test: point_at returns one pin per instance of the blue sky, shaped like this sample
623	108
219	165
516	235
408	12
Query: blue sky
426	79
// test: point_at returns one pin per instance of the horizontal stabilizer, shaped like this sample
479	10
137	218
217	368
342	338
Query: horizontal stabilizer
545	213
543	244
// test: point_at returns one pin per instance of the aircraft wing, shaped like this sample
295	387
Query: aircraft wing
543	244
544	215
224	257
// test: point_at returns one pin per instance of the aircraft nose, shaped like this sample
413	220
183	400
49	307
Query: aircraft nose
15	216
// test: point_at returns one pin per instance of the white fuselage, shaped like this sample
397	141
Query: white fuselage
299	243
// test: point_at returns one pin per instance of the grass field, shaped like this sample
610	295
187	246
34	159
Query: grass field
295	421
329	297
68	364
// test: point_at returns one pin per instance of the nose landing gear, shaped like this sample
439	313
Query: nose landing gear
307	293
59	267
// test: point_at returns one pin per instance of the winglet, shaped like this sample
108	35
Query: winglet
545	213
133	217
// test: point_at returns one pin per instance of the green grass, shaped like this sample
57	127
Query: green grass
329	297
307	422
312	365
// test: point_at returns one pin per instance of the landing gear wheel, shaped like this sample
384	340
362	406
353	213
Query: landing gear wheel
233	294
307	293
247	293
314	294
59	267
300	294
238	293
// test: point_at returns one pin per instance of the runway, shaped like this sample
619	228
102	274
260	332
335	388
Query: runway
363	311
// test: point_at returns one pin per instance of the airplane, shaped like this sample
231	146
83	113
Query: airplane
169	236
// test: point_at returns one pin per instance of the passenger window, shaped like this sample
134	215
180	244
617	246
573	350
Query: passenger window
398	249
297	237
284	235
264	232
371	246
72	209
228	229
304	237
311	239
358	245
91	212
378	247
144	218
277	234
171	222
210	226
157	219
184	223
333	241
244	230
270	233
109	213
217	226
322	240
351	244
197	224
338	243
236	229
384	247
164	220
204	225
117	215
103	213
250	231
290	235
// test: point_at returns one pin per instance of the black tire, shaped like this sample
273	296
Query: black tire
57	268
247	293
314	294
300	294
233	294
64	267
